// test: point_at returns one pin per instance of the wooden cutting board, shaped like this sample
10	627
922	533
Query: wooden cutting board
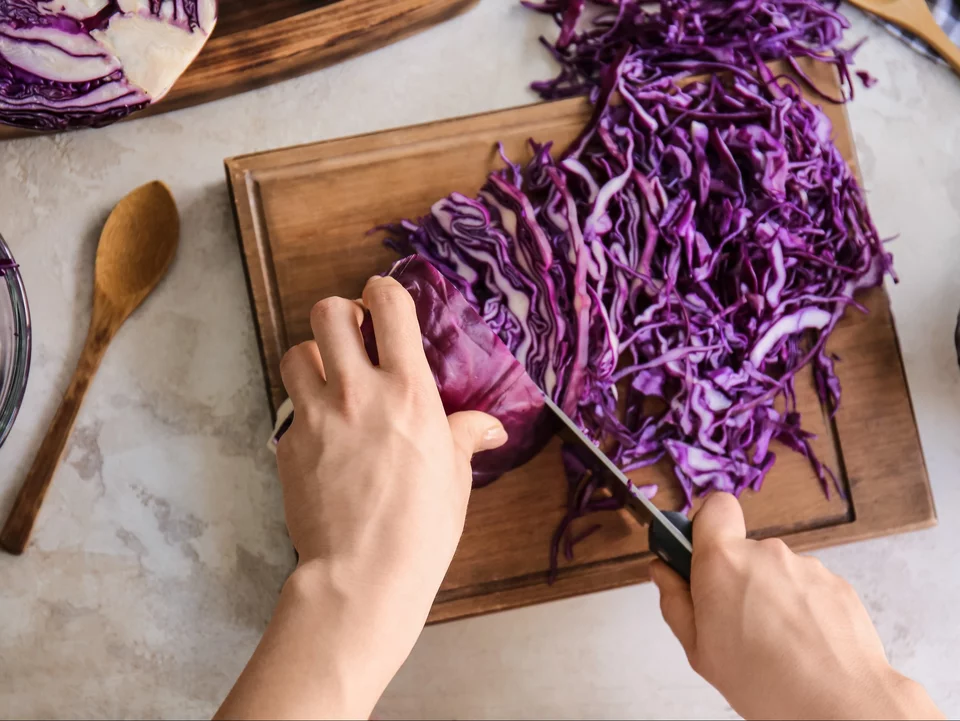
259	42
303	215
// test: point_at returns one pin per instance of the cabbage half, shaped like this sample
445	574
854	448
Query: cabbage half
67	64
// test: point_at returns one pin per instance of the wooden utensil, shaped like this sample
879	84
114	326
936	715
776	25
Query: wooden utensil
136	247
914	17
260	42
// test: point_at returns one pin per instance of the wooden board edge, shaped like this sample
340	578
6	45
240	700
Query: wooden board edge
279	159
932	515
238	185
617	573
194	88
926	512
889	483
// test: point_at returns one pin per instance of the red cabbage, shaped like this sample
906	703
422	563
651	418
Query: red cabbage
684	36
473	369
68	64
667	277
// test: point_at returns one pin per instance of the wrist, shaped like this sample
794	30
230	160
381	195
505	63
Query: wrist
344	667
323	655
884	693
907	699
372	622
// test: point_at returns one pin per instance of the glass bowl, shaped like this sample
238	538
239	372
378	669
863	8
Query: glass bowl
14	341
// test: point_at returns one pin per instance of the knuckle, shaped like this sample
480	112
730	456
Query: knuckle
720	558
289	359
307	414
327	307
348	396
776	548
310	416
415	390
387	291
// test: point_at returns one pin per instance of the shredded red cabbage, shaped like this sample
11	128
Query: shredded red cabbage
667	277
684	36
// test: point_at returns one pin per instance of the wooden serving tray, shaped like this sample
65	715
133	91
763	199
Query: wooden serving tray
303	215
259	42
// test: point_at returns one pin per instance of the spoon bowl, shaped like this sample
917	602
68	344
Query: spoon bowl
137	245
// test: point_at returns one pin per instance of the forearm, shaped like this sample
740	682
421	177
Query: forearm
322	656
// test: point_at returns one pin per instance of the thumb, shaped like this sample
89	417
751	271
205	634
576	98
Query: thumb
474	431
720	521
676	605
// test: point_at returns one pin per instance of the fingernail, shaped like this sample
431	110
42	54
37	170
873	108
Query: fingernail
495	436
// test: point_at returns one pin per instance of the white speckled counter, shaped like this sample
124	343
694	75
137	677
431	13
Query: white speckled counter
161	549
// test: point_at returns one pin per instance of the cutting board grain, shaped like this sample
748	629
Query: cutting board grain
303	215
259	42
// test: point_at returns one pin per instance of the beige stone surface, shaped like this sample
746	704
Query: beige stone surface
161	548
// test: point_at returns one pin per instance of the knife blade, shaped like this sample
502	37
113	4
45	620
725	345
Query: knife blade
670	534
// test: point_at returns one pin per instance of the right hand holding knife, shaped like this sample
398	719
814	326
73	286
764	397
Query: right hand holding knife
776	633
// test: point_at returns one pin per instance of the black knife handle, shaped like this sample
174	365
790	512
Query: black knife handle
667	548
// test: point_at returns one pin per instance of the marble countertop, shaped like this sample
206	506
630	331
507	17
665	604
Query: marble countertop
161	549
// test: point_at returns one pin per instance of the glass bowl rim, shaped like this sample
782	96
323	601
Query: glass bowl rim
10	405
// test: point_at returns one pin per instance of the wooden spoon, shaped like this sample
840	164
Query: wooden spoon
136	247
914	16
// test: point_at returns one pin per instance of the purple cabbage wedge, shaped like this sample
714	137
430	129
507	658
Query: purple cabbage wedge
67	64
473	369
668	276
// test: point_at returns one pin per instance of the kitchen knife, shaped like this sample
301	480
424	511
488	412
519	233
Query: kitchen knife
670	534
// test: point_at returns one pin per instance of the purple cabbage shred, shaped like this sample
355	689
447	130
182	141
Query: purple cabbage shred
667	277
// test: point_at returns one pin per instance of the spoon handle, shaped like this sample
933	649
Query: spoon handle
16	532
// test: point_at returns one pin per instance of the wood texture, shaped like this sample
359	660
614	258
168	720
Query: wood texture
259	42
915	17
303	215
136	248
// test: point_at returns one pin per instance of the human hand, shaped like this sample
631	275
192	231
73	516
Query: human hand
375	477
776	633
375	482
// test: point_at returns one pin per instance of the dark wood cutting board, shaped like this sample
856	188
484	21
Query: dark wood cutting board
259	42
303	215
